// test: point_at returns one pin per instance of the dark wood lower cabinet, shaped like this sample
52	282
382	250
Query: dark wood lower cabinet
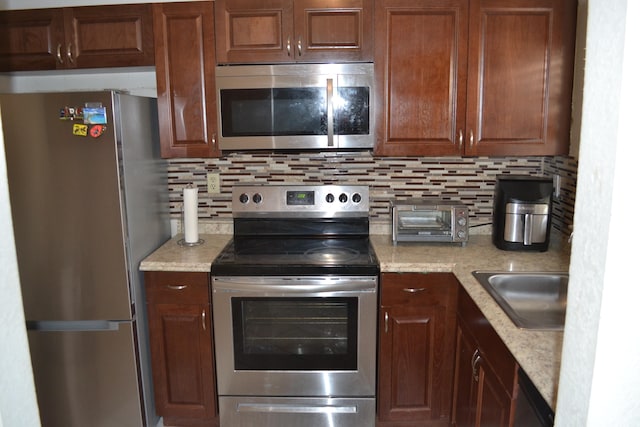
416	349
486	373
180	332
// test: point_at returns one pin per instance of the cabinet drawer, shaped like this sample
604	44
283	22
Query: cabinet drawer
177	287
418	289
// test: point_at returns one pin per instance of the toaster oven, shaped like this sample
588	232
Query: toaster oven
417	220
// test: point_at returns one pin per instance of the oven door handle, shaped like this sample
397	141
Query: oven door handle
296	409
294	285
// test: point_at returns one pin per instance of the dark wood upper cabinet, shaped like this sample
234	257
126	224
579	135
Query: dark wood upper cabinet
275	31
520	77
185	67
474	77
421	75
79	37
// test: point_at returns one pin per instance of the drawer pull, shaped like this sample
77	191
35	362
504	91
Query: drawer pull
176	287
413	290
204	324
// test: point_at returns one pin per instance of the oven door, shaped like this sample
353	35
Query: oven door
295	336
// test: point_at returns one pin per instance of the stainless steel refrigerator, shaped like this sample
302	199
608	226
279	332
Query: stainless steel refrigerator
88	196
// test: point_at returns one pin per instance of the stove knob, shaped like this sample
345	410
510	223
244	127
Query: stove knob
357	198
330	198
343	198
244	198
257	198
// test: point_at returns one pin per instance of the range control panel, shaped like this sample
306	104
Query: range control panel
300	200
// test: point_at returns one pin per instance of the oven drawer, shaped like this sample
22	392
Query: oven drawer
308	412
177	287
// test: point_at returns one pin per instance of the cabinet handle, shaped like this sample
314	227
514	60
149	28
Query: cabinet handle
59	53
413	290
69	53
288	46
386	322
471	138
460	138
299	45
176	287
204	324
475	359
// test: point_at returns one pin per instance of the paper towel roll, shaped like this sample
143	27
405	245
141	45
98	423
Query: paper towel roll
190	204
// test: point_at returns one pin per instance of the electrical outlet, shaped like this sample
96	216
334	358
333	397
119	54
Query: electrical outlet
213	183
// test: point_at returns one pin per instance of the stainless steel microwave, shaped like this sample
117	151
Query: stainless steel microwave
295	107
417	220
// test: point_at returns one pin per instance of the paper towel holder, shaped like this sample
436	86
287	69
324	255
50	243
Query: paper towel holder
183	242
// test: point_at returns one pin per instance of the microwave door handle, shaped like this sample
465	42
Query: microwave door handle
330	111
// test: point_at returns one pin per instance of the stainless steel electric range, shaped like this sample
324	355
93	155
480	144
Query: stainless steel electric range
295	308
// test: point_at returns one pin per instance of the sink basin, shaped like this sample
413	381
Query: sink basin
532	300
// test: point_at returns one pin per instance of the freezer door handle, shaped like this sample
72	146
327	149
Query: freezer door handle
73	325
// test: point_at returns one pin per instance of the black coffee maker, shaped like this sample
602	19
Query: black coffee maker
522	212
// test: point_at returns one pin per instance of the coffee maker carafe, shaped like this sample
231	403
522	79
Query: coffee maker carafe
522	207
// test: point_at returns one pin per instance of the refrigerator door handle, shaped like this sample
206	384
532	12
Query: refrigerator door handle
73	325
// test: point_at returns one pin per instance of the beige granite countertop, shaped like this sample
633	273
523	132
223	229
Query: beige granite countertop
174	257
537	352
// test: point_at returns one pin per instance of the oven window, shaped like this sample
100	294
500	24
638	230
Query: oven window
293	111
295	333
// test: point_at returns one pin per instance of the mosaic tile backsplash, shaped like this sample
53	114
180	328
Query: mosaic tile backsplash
467	180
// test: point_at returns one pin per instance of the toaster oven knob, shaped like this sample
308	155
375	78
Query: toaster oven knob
330	198
357	198
343	198
244	198
257	198
461	234
462	221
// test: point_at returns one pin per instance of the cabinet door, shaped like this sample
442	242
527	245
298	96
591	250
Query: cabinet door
416	348
333	31
31	40
254	31
180	336
466	389
109	36
421	71
185	67
480	397
493	403
520	77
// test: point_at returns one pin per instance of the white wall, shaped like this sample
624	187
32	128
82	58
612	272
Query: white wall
600	375
18	405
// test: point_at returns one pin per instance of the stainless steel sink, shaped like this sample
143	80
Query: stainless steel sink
532	300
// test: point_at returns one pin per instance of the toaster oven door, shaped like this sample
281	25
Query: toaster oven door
422	225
